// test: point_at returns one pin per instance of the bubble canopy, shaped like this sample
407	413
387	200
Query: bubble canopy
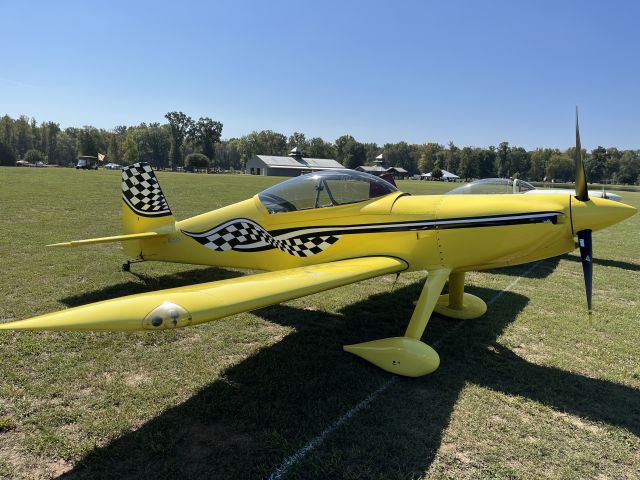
492	186
324	189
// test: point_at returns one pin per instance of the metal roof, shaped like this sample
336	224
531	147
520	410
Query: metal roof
368	168
302	167
288	162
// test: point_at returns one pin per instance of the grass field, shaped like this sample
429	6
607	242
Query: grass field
528	391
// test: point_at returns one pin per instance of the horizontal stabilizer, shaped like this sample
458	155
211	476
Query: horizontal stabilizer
194	304
116	238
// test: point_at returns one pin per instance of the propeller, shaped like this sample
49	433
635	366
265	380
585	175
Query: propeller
581	179
584	236
586	254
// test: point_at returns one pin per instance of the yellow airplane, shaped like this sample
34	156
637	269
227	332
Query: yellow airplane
332	228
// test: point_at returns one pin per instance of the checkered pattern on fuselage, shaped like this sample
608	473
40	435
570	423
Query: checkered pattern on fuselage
142	192
244	233
239	233
305	246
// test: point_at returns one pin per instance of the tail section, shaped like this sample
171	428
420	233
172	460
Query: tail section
142	195
144	206
145	213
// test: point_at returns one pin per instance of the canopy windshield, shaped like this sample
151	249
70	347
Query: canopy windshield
492	186
324	189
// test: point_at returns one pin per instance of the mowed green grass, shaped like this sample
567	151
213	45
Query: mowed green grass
531	390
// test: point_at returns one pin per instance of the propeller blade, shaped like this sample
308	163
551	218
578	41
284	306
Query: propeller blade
581	179
586	255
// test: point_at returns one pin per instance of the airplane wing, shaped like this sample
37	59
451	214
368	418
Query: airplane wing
194	304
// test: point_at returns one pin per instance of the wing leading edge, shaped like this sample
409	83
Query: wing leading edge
194	304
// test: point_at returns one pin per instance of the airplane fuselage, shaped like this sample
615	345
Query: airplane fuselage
470	232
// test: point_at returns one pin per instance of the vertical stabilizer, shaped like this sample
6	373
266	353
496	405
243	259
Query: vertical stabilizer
144	206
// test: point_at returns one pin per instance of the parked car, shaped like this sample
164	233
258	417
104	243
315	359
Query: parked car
113	166
87	162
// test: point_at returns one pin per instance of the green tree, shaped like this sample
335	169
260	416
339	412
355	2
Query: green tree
469	163
179	127
227	155
272	143
206	133
66	149
90	141
401	154
560	167
52	129
487	164
503	168
34	156
519	161
7	155
428	157
265	142
355	155
613	163
297	139
7	132
196	161
152	144
318	148
130	150
341	146
629	167
23	137
113	149
453	158
537	167
350	152
36	135
595	165
371	151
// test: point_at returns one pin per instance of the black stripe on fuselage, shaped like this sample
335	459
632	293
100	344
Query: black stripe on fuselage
421	225
436	224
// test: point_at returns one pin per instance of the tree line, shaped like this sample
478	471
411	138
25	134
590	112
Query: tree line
183	141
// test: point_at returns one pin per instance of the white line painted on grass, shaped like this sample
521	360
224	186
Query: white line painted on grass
513	284
283	469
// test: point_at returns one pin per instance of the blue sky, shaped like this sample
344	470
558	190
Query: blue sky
477	73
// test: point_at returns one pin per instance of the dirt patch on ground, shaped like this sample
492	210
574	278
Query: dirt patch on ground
578	422
26	466
135	379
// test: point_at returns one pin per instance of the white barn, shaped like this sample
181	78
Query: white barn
291	166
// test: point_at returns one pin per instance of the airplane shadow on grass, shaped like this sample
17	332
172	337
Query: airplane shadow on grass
634	267
148	283
543	270
265	408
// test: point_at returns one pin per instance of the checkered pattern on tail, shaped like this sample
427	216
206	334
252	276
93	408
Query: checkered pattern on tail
141	191
244	235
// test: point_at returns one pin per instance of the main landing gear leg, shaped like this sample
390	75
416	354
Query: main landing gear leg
408	355
457	304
